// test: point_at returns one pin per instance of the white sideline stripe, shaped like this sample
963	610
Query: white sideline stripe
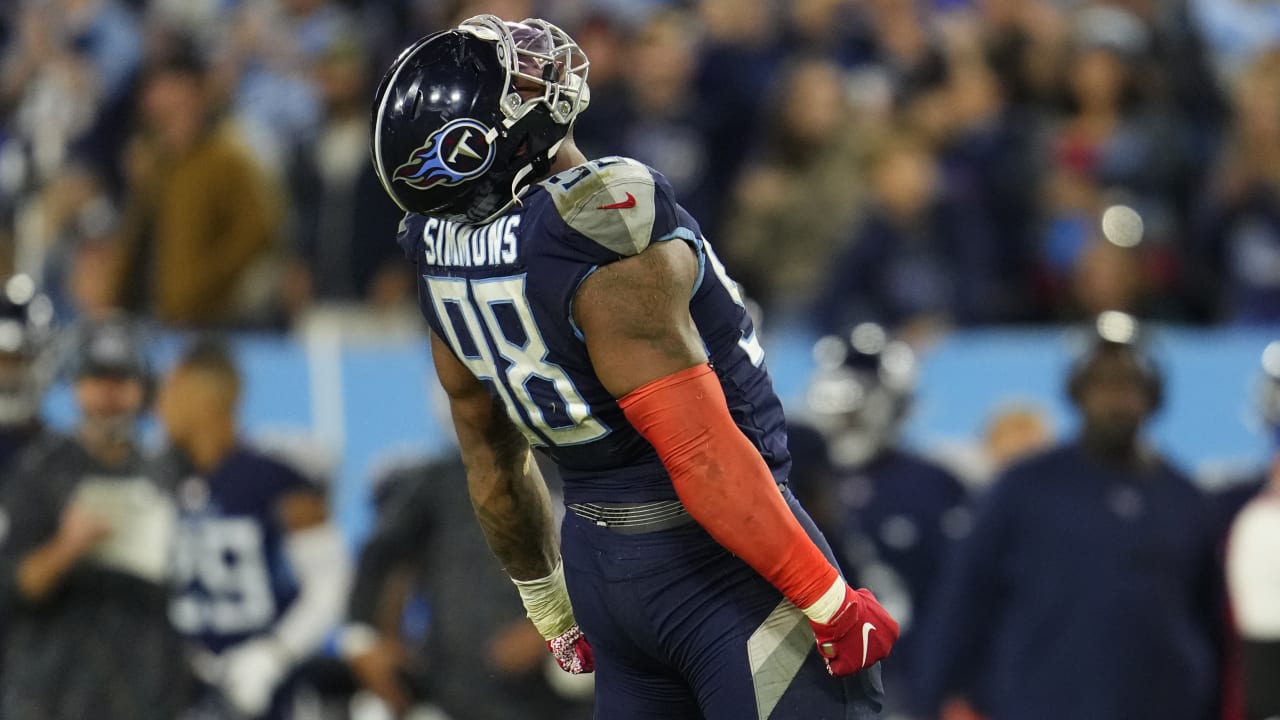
323	342
776	651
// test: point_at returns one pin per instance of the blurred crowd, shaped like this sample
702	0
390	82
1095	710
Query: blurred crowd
922	164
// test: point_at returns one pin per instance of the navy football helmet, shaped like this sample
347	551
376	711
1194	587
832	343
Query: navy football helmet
860	392
26	332
466	119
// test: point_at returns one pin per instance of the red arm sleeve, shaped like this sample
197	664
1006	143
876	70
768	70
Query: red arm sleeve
724	483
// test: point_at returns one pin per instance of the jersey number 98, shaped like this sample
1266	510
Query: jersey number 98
538	395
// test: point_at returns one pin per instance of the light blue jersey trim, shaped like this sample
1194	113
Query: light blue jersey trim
573	323
686	234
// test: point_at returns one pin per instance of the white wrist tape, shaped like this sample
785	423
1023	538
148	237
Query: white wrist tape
547	603
826	607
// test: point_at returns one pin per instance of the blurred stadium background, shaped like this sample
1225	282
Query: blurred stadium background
980	175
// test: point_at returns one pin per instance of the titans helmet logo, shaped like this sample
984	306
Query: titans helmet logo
453	154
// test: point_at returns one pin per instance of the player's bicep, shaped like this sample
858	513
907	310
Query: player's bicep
634	317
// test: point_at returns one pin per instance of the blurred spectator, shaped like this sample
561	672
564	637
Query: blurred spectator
261	574
686	87
198	238
72	62
1253	582
794	207
669	126
907	48
84	557
1112	138
268	59
480	658
1240	219
1088	587
1025	41
72	216
345	224
1236	31
922	258
1107	277
838	30
985	146
605	39
738	59
890	514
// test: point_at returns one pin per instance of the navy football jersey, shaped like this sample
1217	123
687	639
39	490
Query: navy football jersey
233	581
500	295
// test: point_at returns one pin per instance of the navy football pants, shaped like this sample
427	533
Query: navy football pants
682	630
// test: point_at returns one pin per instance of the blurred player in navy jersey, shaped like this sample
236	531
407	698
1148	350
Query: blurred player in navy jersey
84	555
1088	586
576	308
894	513
261	573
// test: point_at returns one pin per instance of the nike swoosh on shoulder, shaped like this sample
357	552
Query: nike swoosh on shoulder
630	202
866	634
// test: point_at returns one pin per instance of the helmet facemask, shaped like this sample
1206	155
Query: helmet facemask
544	67
546	80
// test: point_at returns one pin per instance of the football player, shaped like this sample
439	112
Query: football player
576	308
83	556
895	513
262	574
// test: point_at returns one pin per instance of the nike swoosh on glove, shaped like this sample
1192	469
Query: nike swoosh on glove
859	635
572	651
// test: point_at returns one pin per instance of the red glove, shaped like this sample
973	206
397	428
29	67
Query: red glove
572	651
858	636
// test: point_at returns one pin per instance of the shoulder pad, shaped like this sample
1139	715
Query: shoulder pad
614	201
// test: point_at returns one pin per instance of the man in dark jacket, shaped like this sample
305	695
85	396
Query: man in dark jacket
1088	587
